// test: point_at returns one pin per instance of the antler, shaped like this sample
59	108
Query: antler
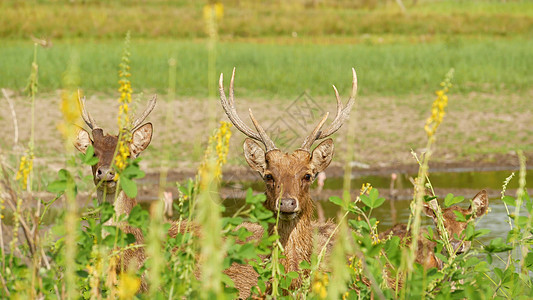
229	108
145	114
342	114
85	114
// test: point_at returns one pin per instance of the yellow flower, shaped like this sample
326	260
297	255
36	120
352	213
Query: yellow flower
439	105
25	168
219	144
128	286
365	188
213	10
124	123
320	284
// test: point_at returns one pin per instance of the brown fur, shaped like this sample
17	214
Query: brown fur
289	176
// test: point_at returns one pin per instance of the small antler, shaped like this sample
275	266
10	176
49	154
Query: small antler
85	114
145	114
229	108
342	114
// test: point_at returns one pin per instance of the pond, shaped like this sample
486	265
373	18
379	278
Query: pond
464	183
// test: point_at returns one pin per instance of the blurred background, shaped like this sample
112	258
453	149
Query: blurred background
287	55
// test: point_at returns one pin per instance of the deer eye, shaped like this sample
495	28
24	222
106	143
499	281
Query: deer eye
307	177
269	177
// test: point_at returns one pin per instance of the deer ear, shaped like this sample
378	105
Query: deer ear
321	156
82	141
141	138
255	156
428	208
481	203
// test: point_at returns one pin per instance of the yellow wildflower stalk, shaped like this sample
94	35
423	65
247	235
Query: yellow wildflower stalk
437	109
432	123
25	168
208	215
219	144
124	121
69	105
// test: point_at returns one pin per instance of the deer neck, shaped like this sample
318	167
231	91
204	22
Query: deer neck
296	237
122	204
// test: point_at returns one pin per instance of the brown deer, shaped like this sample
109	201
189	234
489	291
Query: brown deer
104	175
455	229
287	178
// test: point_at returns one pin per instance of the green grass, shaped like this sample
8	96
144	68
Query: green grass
268	71
184	19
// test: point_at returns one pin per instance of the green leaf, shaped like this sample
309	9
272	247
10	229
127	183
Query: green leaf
336	200
529	260
448	199
292	275
63	174
106	212
497	245
481	232
451	200
138	217
509	200
522	221
304	265
469	232
459	216
88	158
132	171
129	187
57	186
372	200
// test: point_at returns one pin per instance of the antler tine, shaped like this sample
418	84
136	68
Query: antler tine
269	144
231	112
145	114
310	139
85	114
342	114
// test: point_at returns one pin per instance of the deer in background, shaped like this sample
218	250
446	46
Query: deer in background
288	177
455	229
104	175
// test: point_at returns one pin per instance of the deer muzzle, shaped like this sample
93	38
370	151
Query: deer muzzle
288	208
105	175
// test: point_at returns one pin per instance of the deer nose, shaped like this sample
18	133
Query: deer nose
288	205
104	173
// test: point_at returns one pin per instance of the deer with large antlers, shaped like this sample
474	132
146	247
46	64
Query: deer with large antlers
104	174
288	177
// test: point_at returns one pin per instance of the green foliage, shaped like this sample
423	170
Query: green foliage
451	200
132	171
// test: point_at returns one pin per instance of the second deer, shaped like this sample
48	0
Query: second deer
455	229
104	174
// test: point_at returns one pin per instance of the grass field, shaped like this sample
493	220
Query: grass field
55	244
266	71
245	19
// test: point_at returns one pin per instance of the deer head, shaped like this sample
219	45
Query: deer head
105	145
287	176
455	228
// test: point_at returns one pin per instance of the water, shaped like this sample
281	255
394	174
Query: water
465	183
